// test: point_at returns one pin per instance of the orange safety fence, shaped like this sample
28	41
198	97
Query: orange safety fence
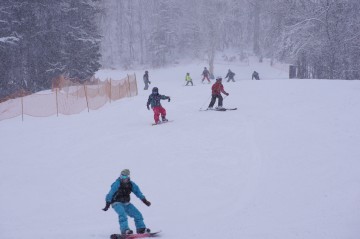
70	98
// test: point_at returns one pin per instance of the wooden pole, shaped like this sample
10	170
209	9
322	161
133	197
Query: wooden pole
119	90
22	108
98	84
129	85
57	103
110	91
87	102
136	88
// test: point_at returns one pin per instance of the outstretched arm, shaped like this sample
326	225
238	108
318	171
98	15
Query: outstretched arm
148	103
136	190
164	97
223	91
114	187
109	197
138	193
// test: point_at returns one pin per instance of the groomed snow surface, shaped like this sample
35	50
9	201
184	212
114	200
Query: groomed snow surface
285	165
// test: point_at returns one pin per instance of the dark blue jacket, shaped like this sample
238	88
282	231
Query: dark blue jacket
230	74
154	99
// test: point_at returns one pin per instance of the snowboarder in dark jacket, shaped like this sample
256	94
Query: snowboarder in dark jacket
119	199
216	91
154	101
230	75
255	75
146	80
205	75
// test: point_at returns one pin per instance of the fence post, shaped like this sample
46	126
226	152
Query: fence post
136	88
22	108
57	103
87	102
129	90
98	85
110	91
119	90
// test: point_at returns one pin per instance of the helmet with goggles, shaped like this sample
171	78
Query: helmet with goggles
125	175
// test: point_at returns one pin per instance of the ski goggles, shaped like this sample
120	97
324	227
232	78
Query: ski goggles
124	177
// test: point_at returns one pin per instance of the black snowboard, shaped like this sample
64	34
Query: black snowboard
221	109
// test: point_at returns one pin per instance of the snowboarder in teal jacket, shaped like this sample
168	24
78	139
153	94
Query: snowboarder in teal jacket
119	199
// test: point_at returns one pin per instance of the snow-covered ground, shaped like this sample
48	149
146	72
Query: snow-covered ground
285	165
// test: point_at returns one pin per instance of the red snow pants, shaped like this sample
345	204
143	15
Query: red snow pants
157	111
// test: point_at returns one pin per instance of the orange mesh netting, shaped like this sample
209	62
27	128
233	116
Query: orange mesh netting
69	98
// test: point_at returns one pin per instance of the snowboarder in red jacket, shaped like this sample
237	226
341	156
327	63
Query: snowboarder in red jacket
217	89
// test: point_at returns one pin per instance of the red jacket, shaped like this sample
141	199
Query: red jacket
217	88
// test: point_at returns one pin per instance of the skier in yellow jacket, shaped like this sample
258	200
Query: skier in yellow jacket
188	79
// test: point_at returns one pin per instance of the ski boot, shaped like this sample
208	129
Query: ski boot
127	232
143	230
164	119
123	234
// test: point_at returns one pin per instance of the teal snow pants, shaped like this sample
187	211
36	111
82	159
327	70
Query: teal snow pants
127	209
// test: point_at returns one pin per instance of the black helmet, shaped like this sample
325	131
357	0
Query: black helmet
155	90
146	72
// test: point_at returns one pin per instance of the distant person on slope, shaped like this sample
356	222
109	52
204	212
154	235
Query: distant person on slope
217	89
154	101
205	75
230	75
188	79
119	199
255	75
146	80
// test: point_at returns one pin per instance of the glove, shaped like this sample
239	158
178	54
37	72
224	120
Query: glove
169	99
148	107
147	203
106	207
227	94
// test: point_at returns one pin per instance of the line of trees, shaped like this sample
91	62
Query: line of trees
321	37
158	32
42	39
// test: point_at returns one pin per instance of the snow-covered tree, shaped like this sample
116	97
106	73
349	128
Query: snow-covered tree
44	39
320	37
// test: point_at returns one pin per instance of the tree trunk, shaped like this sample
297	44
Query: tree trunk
256	40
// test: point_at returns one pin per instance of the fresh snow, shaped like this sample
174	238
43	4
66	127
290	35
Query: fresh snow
285	165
